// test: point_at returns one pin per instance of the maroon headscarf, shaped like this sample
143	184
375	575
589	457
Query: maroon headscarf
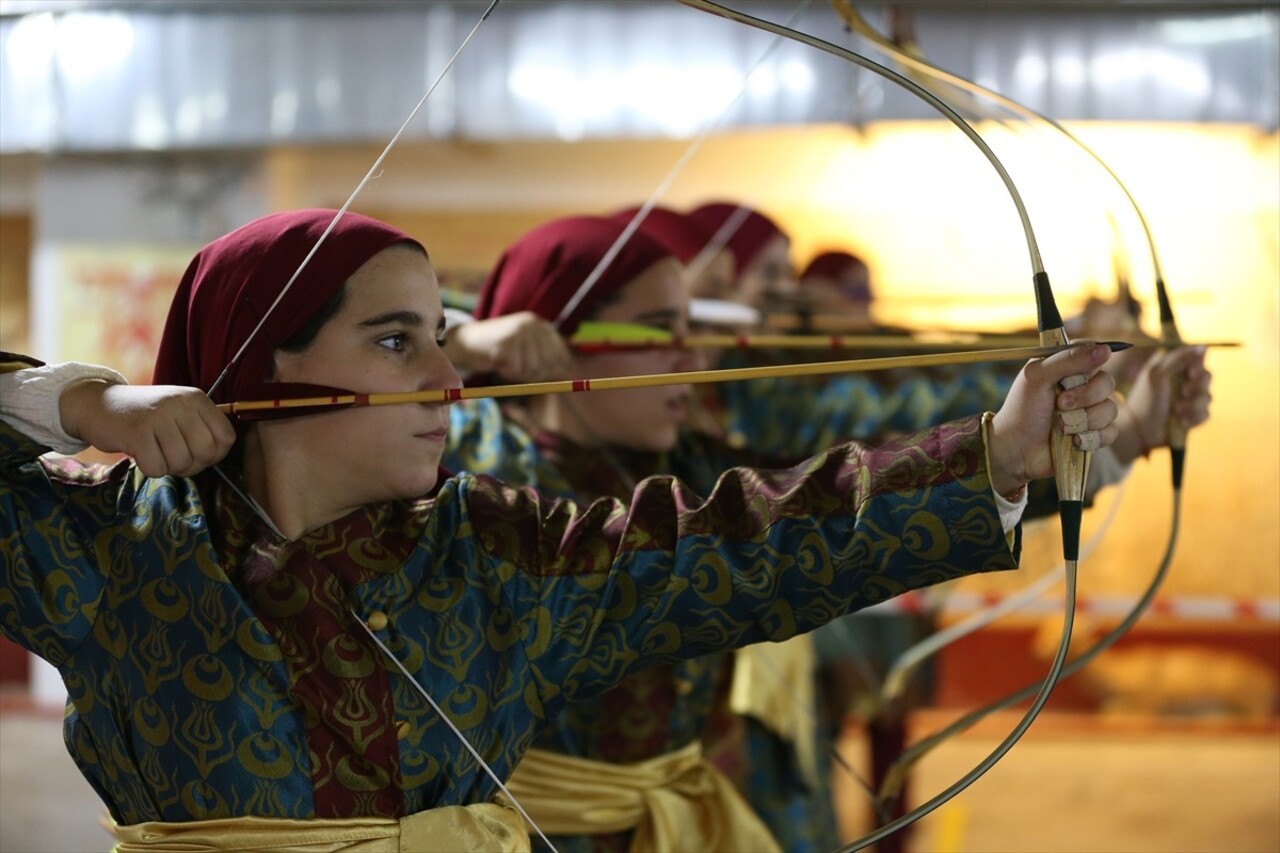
835	265
542	270
747	240
231	283
678	232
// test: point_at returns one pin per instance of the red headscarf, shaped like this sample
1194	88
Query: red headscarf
232	282
835	265
543	270
678	232
747	240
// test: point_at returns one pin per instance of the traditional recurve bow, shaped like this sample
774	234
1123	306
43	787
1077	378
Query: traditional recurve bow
1170	338
1071	463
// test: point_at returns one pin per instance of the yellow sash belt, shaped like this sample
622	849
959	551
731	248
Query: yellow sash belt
441	830
773	684
676	801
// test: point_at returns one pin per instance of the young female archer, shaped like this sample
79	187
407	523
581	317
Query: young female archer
252	650
624	770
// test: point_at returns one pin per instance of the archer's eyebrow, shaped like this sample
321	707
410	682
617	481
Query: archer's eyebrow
404	318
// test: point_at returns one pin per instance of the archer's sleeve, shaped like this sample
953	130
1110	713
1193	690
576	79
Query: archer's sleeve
29	394
967	389
603	590
50	513
794	418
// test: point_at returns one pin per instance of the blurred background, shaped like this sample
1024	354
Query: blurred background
131	133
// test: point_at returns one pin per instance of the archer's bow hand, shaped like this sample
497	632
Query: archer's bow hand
167	429
520	347
1020	431
1144	419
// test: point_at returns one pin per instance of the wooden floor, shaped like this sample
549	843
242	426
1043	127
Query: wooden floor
1074	783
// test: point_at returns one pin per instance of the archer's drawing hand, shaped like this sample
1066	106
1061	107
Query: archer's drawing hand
520	347
167	429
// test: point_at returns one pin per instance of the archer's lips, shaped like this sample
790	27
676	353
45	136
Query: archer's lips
439	434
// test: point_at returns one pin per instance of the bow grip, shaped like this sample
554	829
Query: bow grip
1070	463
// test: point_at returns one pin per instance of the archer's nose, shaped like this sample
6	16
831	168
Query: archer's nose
439	371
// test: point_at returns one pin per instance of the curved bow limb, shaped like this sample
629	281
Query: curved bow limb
1169	337
1070	462
914	61
921	748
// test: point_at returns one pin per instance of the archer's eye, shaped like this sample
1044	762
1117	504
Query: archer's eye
396	343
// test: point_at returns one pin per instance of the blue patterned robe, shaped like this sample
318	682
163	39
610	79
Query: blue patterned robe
664	708
216	671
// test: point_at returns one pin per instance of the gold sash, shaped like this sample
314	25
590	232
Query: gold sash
441	830
676	801
773	684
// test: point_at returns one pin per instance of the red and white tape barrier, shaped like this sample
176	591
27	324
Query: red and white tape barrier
1204	608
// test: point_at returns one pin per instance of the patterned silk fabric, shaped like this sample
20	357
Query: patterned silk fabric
214	671
660	709
792	418
656	711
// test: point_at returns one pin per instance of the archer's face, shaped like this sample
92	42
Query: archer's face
638	418
712	279
768	275
384	338
831	296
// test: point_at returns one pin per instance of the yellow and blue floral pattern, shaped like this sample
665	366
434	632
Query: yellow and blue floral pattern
214	670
